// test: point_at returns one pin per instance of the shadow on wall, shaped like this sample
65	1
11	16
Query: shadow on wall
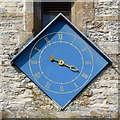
37	17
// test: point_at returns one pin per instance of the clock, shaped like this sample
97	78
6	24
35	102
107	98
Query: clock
61	61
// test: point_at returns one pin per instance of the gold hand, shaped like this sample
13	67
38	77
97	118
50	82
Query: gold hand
62	63
53	59
71	67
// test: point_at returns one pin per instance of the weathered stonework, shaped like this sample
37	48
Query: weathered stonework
19	97
81	13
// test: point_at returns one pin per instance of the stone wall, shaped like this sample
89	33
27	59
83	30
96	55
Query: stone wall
19	97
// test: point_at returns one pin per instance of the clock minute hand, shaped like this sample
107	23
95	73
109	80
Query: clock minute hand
71	67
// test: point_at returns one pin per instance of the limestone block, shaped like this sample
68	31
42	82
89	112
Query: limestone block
106	83
30	85
11	4
106	17
29	22
0	111
82	12
1	98
29	7
109	47
11	16
2	10
24	36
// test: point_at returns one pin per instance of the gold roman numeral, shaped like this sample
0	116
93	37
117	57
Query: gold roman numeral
85	75
61	89
84	49
37	49
34	62
37	75
76	85
73	40
60	36
47	85
46	39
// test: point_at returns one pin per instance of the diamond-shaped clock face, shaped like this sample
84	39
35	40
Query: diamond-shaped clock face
61	61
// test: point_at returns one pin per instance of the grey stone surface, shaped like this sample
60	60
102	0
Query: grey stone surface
19	97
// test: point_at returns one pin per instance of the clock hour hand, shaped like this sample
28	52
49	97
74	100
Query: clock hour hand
62	63
53	59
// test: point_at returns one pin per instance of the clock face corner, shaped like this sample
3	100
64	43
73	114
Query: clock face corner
61	61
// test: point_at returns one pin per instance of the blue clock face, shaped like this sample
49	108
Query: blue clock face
64	65
61	61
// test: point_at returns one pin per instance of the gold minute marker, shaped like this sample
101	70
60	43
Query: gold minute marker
73	40
75	85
